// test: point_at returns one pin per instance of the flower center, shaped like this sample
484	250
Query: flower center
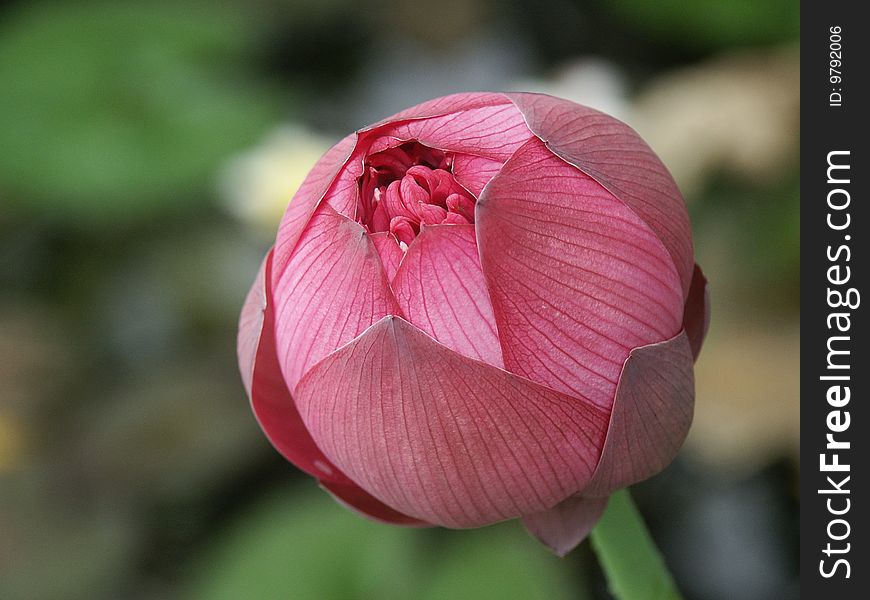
410	185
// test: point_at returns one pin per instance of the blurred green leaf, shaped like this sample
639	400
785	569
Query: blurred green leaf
499	563
112	110
749	236
301	545
304	546
711	24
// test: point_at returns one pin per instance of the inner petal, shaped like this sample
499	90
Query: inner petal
410	185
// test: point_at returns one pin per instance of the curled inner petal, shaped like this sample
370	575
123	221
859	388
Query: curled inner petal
405	187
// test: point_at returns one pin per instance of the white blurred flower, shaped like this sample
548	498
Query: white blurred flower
737	113
258	184
591	81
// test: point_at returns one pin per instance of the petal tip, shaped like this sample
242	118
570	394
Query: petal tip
566	525
651	416
696	315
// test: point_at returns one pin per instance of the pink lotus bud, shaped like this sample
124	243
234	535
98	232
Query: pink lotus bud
485	307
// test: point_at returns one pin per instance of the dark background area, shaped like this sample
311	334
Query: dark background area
147	151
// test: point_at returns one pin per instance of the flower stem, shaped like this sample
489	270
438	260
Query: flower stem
633	565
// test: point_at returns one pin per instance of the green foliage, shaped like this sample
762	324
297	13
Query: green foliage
115	110
628	555
499	563
298	544
712	24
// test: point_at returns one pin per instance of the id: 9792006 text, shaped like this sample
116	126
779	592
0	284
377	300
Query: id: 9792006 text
835	65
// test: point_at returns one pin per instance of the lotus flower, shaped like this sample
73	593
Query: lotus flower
483	308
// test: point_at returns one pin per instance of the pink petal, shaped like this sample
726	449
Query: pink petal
329	291
439	183
494	132
352	496
388	249
380	217
393	202
440	289
270	399
696	316
576	278
651	415
443	438
454	218
431	214
487	123
343	196
412	193
446	105
461	205
275	410
616	157
251	324
474	172
401	228
567	524
306	200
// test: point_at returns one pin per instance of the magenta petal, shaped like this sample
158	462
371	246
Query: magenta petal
355	498
330	290
388	249
696	316
651	415
616	157
567	524
440	289
443	438
576	278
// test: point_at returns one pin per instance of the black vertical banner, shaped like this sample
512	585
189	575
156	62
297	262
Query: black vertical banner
835	223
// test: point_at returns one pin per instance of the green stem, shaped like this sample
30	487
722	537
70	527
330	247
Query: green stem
633	565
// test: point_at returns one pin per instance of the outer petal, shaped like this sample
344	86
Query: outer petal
251	324
696	316
315	186
355	498
490	131
567	524
446	105
330	290
651	415
616	157
444	438
276	412
576	278
440	289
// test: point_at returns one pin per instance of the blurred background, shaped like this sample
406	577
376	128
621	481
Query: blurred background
147	150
